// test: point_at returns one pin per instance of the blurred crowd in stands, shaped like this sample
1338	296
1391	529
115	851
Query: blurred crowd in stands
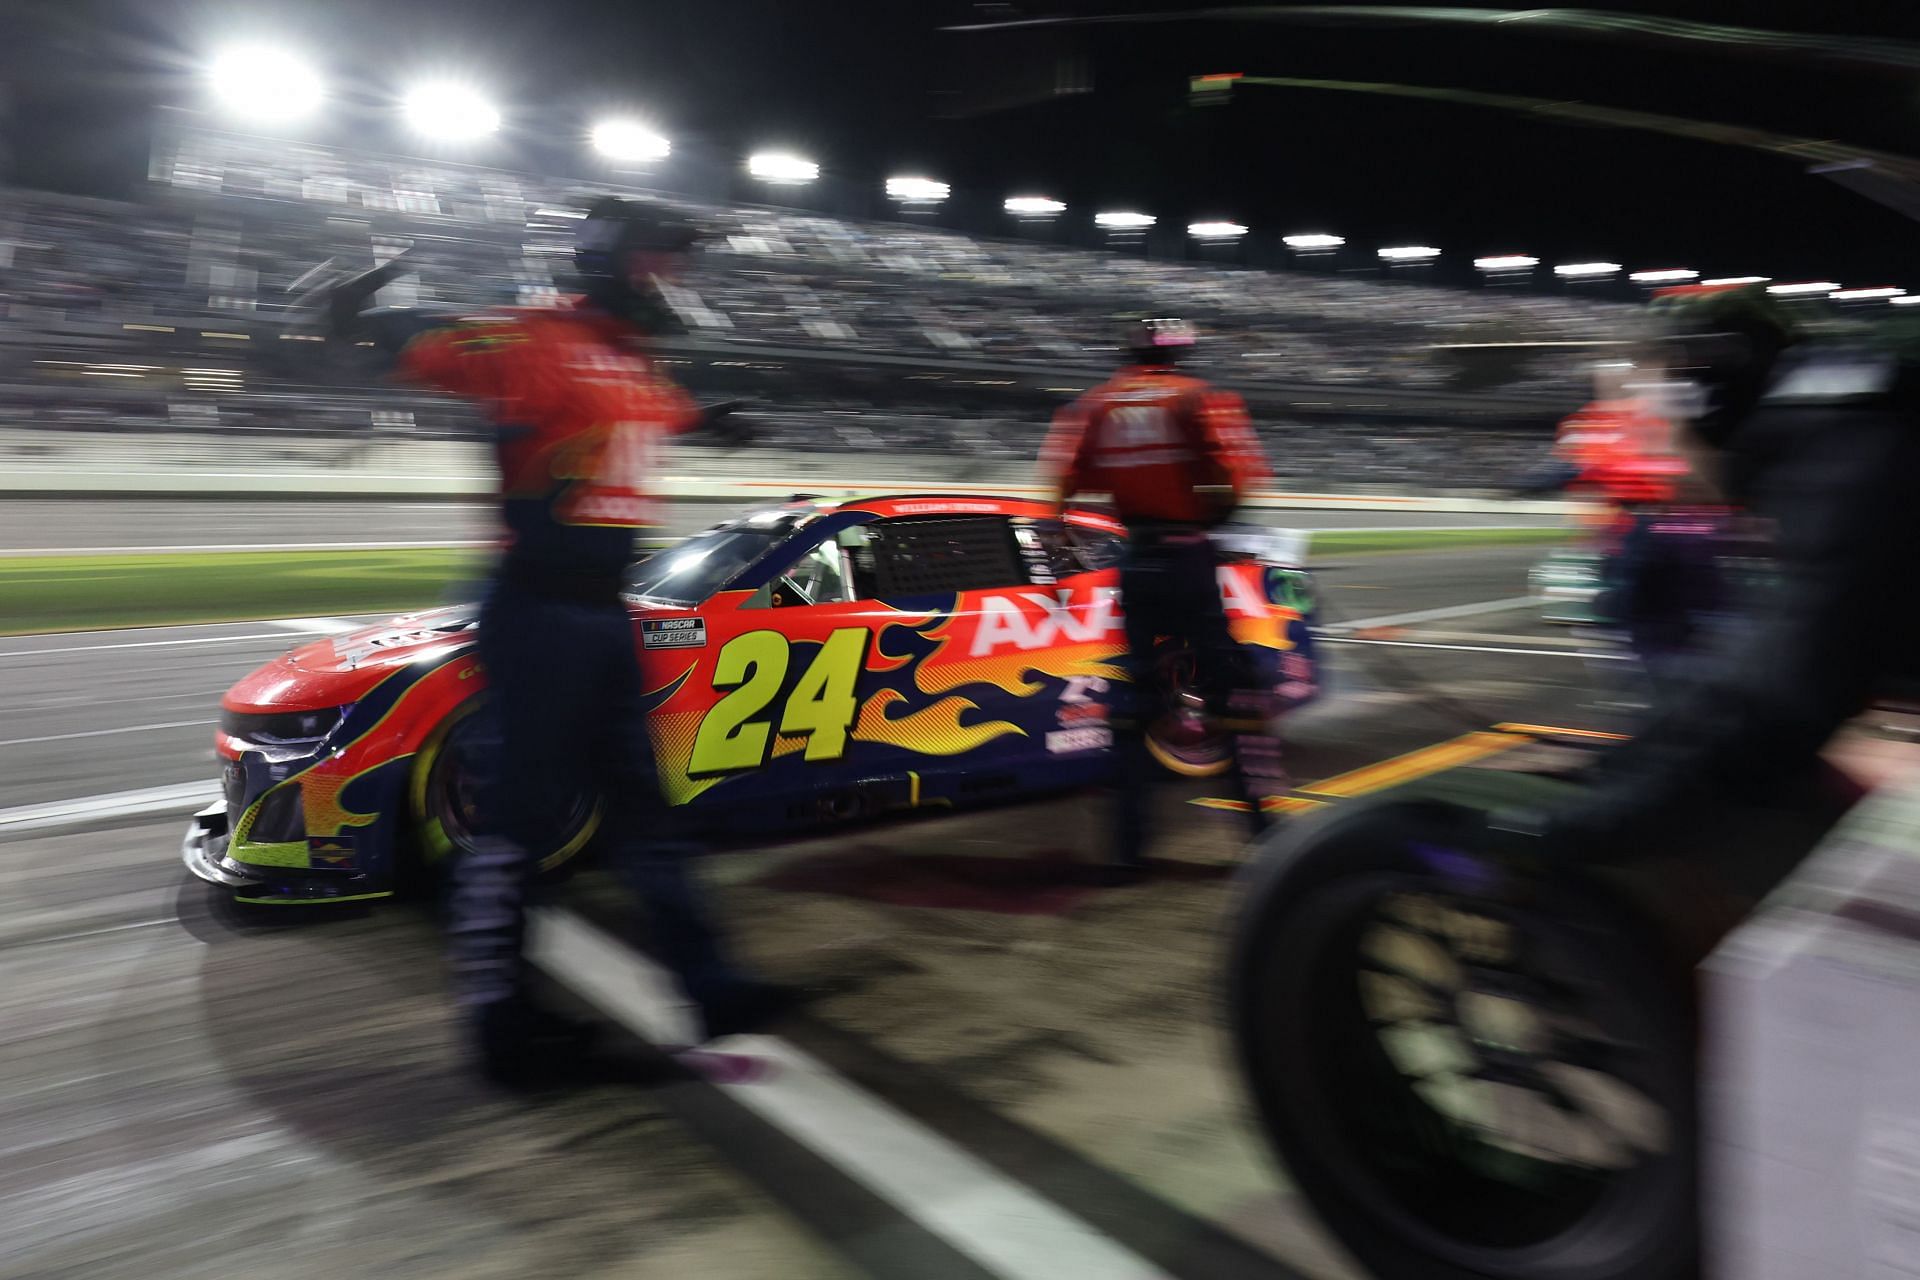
172	314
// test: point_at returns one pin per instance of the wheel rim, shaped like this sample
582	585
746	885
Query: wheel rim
1178	735
1485	1088
449	799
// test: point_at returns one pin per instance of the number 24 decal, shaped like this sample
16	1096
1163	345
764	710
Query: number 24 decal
753	666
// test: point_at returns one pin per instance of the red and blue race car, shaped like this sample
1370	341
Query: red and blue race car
807	662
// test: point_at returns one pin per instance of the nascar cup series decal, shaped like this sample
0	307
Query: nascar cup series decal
673	633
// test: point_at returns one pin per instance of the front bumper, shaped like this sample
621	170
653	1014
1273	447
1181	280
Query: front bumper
204	850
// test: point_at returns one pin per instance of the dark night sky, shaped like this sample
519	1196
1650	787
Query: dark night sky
866	88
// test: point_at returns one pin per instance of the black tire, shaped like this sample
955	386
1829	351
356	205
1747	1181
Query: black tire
1417	1193
1178	736
441	797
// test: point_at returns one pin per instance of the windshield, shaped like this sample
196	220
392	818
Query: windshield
688	573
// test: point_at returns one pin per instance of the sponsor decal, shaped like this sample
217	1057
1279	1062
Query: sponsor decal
331	851
938	508
1064	741
673	633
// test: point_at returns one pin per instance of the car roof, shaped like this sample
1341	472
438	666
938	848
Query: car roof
889	506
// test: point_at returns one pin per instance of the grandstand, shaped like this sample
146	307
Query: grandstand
170	315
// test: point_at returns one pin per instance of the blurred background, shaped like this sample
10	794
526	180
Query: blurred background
1411	239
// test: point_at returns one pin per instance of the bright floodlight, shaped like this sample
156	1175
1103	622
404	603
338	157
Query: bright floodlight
1725	280
1670	276
1314	240
1409	253
1215	230
1034	205
1853	295
1121	220
1574	269
1905	300
782	168
264	84
1809	286
1506	262
450	111
917	190
629	140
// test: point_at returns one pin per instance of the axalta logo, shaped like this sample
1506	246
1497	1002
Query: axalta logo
1028	620
1039	620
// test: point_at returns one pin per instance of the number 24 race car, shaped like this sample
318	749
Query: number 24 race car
807	662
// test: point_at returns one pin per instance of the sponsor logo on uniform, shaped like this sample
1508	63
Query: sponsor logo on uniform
1066	741
673	633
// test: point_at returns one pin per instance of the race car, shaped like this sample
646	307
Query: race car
807	662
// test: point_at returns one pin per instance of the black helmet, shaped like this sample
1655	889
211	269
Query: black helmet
1158	340
1726	339
615	227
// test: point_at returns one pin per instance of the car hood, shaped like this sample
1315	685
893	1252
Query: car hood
336	670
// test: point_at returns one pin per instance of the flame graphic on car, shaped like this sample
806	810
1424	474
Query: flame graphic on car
933	730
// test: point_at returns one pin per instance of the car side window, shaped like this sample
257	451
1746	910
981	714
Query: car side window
817	577
934	555
1079	548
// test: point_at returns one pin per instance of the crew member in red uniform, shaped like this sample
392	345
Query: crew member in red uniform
1176	456
580	408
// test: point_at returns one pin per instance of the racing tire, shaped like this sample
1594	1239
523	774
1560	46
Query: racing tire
1178	736
442	793
1393	1109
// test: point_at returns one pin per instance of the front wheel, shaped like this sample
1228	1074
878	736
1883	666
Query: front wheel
1471	1075
445	791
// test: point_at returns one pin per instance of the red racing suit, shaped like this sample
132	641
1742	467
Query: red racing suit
582	408
1167	447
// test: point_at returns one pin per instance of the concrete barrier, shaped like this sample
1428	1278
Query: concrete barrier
180	465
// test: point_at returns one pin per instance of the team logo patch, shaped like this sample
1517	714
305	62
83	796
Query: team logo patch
673	633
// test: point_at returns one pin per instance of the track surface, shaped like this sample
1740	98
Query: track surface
189	1091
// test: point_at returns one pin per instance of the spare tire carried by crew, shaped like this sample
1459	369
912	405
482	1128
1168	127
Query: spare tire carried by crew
1470	1070
1478	1061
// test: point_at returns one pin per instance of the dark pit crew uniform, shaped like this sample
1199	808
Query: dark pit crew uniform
1176	456
581	409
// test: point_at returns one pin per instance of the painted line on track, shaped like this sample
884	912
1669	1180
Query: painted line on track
137	644
316	626
117	804
201	547
107	733
1480	648
1431	615
998	1223
1409	766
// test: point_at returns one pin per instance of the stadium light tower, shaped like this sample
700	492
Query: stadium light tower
264	84
1408	253
450	111
629	141
1033	206
1123	220
1215	230
920	191
1586	270
782	169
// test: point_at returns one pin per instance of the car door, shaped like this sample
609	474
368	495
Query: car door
1007	646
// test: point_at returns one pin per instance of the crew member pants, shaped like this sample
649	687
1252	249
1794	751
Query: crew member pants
1170	591
567	716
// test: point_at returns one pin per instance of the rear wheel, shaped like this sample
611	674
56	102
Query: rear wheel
1470	1075
1178	735
445	793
